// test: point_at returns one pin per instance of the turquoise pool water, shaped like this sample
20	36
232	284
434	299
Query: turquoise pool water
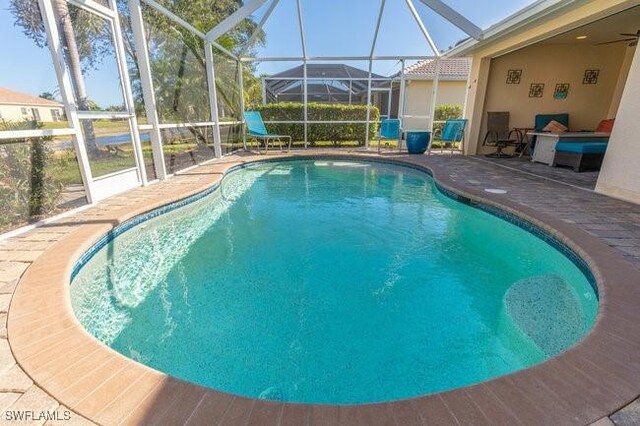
332	282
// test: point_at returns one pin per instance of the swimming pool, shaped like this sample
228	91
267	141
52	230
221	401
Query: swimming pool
332	282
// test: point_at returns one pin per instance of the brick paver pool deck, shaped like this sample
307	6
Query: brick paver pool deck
49	363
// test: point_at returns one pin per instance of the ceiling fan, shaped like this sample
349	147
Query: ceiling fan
633	38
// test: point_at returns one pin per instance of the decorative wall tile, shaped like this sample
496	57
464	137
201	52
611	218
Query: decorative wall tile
536	90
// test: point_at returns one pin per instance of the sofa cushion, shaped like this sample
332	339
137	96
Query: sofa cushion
555	127
582	147
541	120
606	126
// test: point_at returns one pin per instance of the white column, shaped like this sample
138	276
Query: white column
371	52
213	98
401	100
434	100
401	94
366	131
620	173
144	66
303	44
264	91
64	82
128	93
464	107
241	84
305	100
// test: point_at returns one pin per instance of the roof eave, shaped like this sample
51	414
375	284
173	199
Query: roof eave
425	77
518	21
32	104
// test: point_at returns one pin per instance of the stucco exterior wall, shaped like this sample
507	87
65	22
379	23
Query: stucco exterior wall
418	99
620	173
15	113
550	64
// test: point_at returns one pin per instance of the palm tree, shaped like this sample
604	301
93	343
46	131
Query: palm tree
75	67
27	15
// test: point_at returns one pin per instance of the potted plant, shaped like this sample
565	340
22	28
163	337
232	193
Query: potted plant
418	141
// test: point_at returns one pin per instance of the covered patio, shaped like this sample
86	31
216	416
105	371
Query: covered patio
580	73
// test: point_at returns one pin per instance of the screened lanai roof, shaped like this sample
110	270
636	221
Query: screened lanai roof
335	79
354	30
340	71
360	28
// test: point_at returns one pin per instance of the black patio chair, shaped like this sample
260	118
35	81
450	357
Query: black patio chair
499	134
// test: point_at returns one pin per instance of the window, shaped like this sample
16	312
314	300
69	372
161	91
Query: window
23	110
36	114
55	114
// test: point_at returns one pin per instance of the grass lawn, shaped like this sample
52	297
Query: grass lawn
65	168
100	127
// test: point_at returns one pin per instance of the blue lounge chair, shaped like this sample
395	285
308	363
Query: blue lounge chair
390	129
452	132
257	130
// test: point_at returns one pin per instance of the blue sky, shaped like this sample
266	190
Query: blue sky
332	28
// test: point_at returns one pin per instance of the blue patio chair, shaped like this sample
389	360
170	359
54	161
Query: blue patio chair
257	130
452	132
390	129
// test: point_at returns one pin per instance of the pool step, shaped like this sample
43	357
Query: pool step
546	310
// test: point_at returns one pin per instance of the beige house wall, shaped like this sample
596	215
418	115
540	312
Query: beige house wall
620	173
15	113
418	100
550	64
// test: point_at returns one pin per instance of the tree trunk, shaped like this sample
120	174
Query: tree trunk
75	67
178	89
37	178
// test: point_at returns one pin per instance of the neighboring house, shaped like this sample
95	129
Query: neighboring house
340	83
18	106
452	88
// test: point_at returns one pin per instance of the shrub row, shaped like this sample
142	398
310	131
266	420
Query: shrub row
294	111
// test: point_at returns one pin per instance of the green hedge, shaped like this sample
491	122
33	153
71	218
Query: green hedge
294	111
445	112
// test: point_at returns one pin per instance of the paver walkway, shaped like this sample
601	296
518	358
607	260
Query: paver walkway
586	180
615	222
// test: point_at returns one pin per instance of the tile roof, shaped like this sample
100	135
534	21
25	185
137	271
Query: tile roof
11	97
450	69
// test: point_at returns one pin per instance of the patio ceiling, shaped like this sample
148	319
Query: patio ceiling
602	31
